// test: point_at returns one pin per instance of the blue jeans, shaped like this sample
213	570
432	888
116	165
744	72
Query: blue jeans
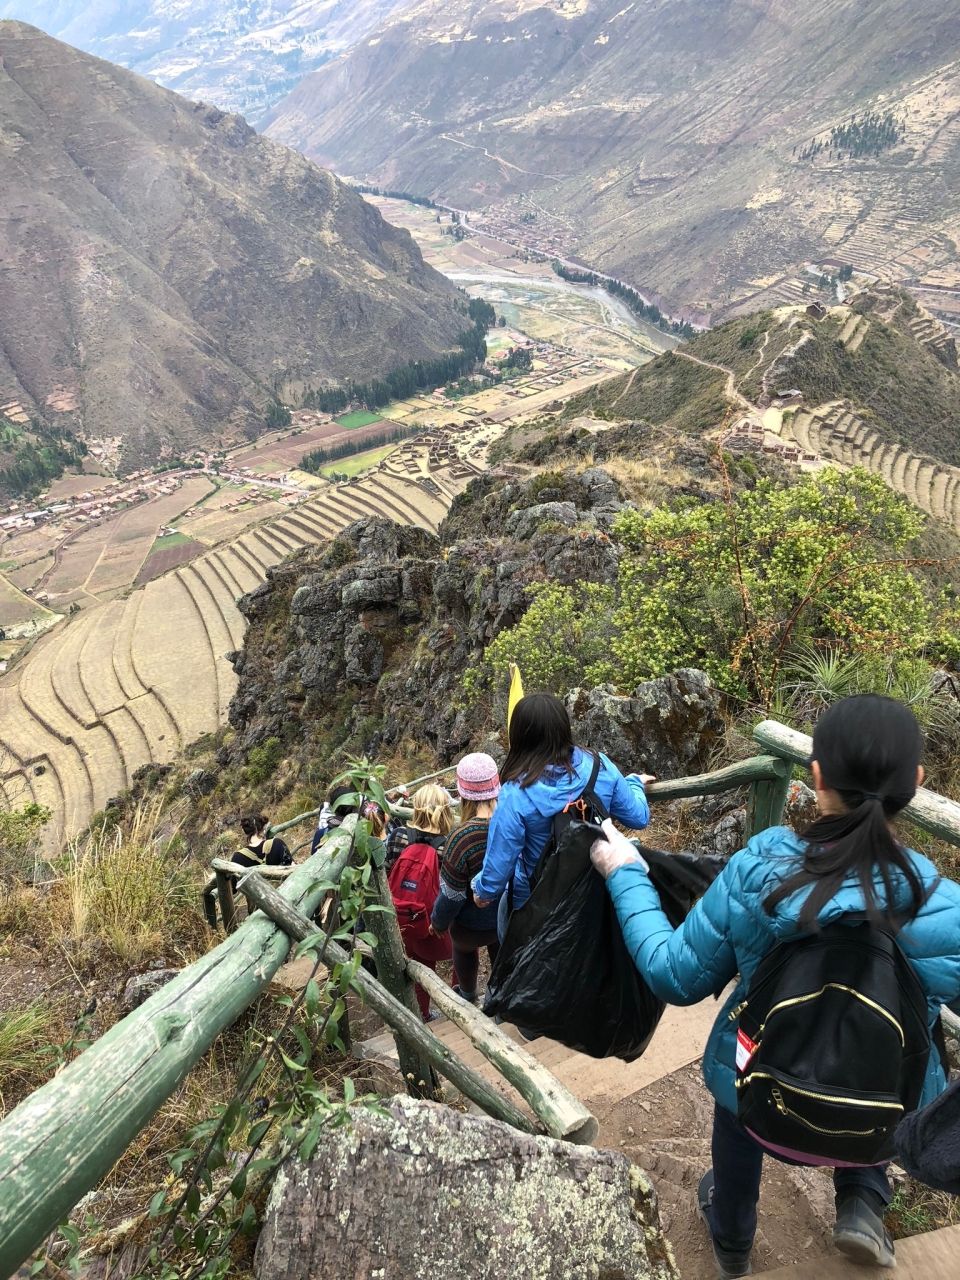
737	1165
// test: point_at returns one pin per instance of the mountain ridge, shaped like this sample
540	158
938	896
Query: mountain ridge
168	270
662	140
241	55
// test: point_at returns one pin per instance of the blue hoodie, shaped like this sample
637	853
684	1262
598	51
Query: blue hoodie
521	825
729	932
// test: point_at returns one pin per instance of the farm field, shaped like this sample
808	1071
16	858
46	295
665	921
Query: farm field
359	418
136	531
168	552
106	556
69	486
357	463
15	607
283	452
227	513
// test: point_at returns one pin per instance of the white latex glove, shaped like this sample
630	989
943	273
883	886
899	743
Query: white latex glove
613	851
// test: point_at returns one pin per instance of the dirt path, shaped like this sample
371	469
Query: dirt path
731	387
666	1129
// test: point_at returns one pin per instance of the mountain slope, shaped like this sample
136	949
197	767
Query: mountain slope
241	55
166	267
662	139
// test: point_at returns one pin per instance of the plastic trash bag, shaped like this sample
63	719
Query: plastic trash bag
564	970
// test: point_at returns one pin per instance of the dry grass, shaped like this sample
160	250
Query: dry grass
916	1209
26	1036
133	892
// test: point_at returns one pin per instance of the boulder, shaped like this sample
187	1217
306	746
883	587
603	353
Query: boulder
144	985
523	524
418	1191
667	727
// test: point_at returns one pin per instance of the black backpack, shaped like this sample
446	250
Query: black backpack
832	1045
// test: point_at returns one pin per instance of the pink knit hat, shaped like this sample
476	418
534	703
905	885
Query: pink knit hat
477	777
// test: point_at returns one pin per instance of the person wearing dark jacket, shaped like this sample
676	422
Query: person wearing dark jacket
471	927
334	810
928	1143
261	849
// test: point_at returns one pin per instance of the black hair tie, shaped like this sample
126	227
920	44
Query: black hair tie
872	795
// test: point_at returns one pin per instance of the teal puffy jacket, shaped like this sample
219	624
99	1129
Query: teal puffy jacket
728	933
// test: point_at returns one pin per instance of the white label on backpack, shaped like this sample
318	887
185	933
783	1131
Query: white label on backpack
745	1049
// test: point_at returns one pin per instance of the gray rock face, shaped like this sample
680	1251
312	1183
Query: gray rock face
524	523
144	985
487	1202
665	727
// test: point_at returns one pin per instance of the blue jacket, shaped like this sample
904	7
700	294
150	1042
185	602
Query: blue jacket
728	932
523	820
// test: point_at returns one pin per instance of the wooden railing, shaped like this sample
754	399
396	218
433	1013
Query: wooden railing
62	1140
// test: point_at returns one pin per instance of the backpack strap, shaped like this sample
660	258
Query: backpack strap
267	848
586	795
252	855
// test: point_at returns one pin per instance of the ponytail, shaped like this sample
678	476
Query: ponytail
868	749
858	842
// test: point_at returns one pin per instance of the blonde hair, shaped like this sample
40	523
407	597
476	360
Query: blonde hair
432	810
468	809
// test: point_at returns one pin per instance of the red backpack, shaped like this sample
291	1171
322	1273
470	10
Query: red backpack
414	881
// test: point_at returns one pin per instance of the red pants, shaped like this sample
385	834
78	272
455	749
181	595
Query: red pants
429	951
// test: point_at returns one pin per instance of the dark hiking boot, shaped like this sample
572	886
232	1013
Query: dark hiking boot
469	996
730	1263
860	1234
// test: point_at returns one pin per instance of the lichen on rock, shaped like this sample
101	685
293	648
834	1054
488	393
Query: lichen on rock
417	1191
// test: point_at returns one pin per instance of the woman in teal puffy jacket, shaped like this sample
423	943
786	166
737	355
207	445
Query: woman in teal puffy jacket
866	768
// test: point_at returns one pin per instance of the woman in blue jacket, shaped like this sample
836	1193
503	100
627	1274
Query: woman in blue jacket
544	772
866	768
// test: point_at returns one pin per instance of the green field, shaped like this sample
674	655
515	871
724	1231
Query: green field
358	462
168	540
359	418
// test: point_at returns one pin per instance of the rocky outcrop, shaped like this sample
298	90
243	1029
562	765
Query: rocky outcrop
489	1202
665	727
372	636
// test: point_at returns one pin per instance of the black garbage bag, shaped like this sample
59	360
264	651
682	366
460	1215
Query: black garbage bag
564	970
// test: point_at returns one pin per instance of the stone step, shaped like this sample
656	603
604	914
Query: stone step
933	1256
598	1082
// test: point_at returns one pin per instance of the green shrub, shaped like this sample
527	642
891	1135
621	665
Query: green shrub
262	761
562	641
743	588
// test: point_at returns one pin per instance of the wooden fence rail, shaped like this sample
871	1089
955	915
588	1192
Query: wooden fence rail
931	812
62	1140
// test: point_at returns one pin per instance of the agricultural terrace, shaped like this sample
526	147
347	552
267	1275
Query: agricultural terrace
226	513
105	693
281	452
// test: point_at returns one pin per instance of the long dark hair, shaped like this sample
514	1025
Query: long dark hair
540	738
868	749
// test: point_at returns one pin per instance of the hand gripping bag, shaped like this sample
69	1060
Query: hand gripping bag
564	970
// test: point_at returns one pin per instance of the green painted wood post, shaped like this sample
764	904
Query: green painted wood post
768	799
61	1140
228	906
391	961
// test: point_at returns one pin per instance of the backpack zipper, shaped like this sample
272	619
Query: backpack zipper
814	995
849	1133
811	1093
735	1013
